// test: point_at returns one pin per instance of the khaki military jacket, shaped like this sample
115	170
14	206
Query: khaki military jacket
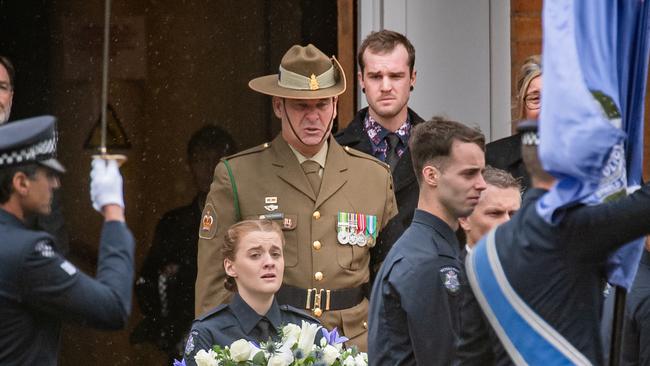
269	180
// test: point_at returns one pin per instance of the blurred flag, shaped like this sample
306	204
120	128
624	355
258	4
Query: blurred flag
595	56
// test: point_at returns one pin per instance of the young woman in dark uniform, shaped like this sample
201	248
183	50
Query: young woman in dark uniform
253	260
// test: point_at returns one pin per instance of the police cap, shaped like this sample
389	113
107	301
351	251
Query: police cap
528	131
31	140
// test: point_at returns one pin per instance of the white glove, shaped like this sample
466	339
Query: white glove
105	184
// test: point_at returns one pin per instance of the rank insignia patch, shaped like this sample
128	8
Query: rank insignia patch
45	249
208	222
450	279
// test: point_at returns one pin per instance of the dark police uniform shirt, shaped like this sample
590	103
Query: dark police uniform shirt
414	317
636	334
230	322
39	289
559	271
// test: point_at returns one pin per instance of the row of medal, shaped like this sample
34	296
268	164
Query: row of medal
356	229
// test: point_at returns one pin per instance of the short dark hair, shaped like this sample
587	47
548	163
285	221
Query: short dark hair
500	178
4	61
7	177
211	137
432	140
386	41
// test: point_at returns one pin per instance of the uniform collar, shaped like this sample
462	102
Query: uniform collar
10	219
320	157
248	318
426	218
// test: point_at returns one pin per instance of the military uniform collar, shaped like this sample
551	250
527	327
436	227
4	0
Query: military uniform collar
8	218
320	157
248	318
428	219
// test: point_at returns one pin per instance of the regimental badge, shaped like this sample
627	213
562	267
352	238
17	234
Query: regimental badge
450	279
189	346
208	222
313	83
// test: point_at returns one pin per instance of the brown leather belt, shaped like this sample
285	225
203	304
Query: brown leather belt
321	299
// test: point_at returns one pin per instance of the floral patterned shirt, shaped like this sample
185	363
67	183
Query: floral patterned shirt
377	134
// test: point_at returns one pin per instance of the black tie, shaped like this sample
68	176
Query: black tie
392	140
263	330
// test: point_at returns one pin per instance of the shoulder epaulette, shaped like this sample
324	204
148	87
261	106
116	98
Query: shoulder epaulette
212	312
252	150
299	312
360	154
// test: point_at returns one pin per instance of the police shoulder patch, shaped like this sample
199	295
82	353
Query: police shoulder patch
450	277
208	227
44	248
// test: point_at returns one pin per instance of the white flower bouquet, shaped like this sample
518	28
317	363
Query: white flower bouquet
298	346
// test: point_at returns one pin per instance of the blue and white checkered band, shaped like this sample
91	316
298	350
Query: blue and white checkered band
41	150
530	138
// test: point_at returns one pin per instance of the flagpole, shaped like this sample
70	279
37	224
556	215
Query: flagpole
620	294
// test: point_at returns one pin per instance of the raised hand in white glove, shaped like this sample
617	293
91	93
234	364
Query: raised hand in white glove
105	184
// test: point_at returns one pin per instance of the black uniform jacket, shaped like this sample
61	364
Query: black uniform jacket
39	289
414	306
559	270
406	185
505	154
230	322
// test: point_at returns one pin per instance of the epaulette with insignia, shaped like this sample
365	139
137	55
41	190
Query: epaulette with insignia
212	312
252	150
360	154
299	312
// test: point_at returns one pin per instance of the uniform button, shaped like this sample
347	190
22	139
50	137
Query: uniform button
318	312
365	325
316	245
318	276
316	215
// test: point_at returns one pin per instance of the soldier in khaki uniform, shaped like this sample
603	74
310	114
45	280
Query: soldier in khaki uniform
330	214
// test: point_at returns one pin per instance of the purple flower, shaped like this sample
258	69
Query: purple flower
333	336
179	363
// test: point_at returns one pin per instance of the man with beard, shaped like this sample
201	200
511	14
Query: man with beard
387	76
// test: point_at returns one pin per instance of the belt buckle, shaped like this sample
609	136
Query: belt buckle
318	297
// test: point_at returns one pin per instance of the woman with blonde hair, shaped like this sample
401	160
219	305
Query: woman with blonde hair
506	153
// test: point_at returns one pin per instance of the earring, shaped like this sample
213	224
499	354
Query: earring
363	90
411	87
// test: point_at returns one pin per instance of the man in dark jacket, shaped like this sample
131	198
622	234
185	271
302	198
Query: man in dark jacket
387	76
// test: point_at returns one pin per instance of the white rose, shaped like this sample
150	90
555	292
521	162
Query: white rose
204	358
240	350
277	360
349	361
330	354
307	335
361	359
290	331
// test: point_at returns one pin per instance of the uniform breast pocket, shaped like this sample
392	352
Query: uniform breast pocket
352	248
288	224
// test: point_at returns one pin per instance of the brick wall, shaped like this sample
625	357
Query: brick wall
526	40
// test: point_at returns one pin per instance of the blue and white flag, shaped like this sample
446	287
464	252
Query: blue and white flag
595	56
